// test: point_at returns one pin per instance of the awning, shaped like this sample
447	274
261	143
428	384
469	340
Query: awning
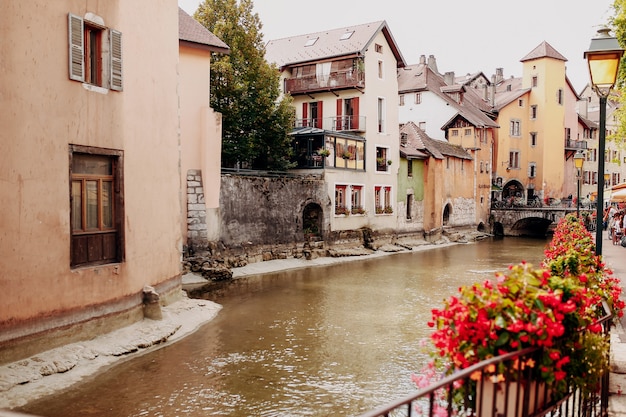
495	187
618	196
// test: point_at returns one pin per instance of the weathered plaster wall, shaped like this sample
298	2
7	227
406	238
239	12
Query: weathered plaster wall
266	210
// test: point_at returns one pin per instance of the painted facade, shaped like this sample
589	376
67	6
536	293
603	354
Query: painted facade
536	141
201	134
346	105
89	166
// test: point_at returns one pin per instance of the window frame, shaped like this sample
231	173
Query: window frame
94	246
95	53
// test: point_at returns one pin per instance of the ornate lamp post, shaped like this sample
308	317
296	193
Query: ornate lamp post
603	58
579	160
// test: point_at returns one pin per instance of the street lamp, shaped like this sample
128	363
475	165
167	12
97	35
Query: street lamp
579	159
603	58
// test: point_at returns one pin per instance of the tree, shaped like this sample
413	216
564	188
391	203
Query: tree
618	24
245	89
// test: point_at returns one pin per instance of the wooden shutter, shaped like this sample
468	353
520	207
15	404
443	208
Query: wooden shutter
355	113
319	114
339	110
76	45
305	114
115	41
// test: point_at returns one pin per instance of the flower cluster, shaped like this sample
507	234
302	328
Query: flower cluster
555	307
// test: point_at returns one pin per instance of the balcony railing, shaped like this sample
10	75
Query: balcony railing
575	144
352	78
526	398
335	123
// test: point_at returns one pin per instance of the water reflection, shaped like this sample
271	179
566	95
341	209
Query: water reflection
335	340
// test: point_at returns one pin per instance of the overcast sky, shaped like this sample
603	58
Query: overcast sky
464	36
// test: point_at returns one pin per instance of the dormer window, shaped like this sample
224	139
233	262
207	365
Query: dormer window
346	36
311	42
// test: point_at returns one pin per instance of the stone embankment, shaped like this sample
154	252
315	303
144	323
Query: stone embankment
215	263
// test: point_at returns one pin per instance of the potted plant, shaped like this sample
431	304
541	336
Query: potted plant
357	210
380	161
346	155
324	152
555	307
341	210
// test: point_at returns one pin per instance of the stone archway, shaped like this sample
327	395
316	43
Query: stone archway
312	216
447	211
513	189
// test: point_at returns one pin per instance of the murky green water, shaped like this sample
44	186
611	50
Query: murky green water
325	341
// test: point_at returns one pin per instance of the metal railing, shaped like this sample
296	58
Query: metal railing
471	392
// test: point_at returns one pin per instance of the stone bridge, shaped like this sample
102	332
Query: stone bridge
526	221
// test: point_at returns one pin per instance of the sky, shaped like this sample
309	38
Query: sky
464	36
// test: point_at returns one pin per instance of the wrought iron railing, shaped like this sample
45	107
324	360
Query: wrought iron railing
575	144
472	392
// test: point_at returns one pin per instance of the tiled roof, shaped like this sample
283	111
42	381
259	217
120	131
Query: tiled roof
508	91
328	44
418	140
542	51
421	77
587	123
190	30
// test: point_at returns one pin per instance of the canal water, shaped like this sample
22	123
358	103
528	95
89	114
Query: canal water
324	341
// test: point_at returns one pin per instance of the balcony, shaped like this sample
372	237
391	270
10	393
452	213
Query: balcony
335	80
573	145
335	123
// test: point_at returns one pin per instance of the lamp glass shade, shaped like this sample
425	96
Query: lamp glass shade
603	69
579	159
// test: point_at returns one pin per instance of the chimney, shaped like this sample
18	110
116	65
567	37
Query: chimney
499	75
485	92
423	59
403	139
432	64
448	77
493	91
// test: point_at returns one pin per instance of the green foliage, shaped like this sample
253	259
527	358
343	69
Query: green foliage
245	89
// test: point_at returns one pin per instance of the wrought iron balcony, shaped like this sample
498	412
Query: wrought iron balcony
351	78
571	144
335	123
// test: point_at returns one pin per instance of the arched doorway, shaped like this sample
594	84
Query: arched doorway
447	211
512	189
312	217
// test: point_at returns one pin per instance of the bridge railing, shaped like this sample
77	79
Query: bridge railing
472	392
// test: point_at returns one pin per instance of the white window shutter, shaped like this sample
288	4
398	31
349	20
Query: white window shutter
76	63
115	39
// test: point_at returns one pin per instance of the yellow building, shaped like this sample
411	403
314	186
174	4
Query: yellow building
538	125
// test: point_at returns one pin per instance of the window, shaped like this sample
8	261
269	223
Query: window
447	162
346	36
533	139
356	200
418	98
422	126
481	167
382	200
381	159
378	48
533	111
454	132
380	70
381	115
340	200
559	96
532	170
514	128
409	168
345	153
94	57
520	102
311	41
402	99
534	81
96	212
514	159
467	132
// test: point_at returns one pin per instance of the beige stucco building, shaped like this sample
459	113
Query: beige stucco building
344	88
90	167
